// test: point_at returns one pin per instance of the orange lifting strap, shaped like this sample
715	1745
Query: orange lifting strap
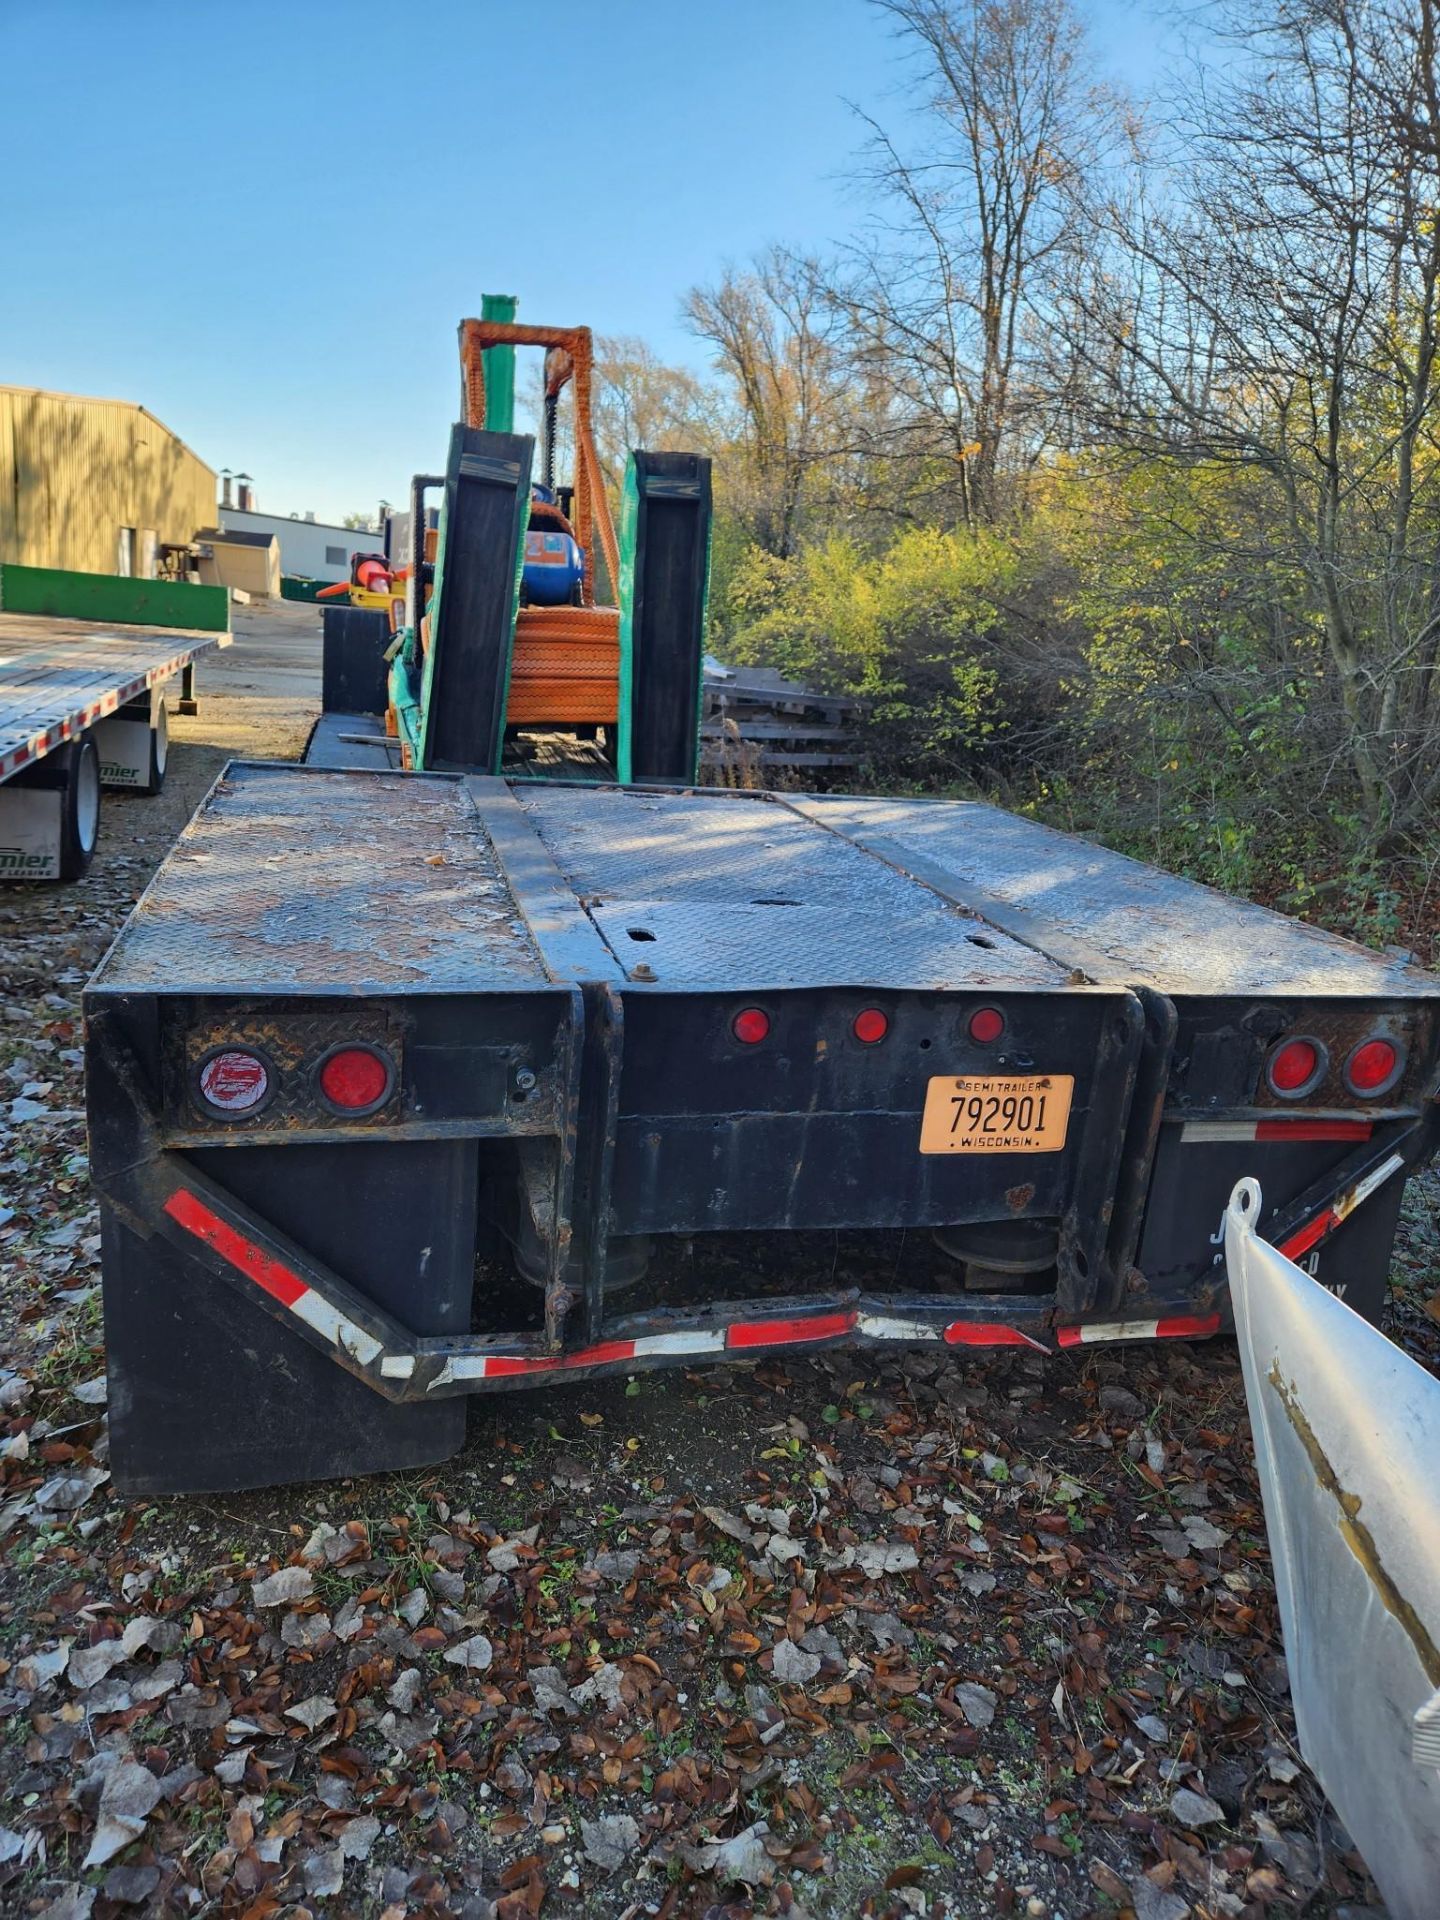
570	355
565	670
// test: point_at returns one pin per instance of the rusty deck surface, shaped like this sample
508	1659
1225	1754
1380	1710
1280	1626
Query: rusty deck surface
293	880
58	677
298	878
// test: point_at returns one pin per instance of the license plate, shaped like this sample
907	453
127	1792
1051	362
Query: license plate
996	1113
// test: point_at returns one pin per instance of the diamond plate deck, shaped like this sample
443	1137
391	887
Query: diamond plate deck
58	677
1114	917
733	892
297	880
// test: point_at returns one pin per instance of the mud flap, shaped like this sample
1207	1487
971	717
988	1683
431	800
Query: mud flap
209	1393
1354	1262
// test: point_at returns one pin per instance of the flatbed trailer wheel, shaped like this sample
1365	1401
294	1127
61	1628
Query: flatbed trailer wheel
69	826
79	807
154	778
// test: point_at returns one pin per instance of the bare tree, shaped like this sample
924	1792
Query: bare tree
972	217
639	401
774	334
1277	309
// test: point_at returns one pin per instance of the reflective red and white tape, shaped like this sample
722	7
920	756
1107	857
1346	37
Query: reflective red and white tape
39	744
1326	1221
797	1330
1174	1326
1292	1131
301	1299
272	1276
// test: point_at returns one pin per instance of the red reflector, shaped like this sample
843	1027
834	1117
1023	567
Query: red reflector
870	1026
354	1077
606	1354
1293	1130
788	1333
750	1026
986	1025
1294	1066
1372	1066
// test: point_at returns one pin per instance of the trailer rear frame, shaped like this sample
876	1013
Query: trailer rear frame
552	973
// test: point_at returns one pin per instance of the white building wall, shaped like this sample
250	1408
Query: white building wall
306	546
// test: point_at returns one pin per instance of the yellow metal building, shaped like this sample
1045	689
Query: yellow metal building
94	485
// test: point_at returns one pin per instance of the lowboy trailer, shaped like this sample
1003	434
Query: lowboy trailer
373	1044
82	707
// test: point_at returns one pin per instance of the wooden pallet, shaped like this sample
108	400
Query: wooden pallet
756	722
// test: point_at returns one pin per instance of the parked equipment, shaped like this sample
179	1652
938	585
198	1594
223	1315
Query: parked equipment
373	584
526	614
82	707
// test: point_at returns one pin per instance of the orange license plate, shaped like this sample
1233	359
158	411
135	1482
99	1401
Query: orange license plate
996	1113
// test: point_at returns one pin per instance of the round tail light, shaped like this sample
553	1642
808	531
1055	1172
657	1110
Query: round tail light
356	1079
986	1026
1373	1067
870	1025
750	1026
1295	1068
234	1082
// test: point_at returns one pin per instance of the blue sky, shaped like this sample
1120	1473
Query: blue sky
263	219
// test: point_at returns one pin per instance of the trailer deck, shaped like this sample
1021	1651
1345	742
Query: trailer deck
59	677
82	707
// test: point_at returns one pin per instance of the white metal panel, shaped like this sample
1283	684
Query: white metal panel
303	543
1347	1435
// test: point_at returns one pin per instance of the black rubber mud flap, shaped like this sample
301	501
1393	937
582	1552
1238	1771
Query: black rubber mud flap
1354	1262
209	1393
353	673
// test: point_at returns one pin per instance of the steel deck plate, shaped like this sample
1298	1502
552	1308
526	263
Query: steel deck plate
296	880
740	892
1115	917
58	677
352	740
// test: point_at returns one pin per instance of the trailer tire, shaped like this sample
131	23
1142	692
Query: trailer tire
78	776
159	750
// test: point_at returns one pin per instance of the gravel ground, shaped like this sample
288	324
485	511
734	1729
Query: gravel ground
837	1635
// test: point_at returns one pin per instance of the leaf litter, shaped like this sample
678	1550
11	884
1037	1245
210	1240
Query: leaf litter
848	1634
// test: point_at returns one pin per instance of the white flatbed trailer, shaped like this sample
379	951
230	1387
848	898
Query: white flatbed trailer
82	705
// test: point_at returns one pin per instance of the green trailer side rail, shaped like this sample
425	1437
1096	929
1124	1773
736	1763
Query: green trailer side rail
110	598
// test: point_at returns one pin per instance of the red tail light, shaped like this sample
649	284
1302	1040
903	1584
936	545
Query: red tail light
1372	1067
750	1026
1296	1066
870	1026
986	1026
356	1079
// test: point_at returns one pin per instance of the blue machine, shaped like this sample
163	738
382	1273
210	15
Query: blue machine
554	561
